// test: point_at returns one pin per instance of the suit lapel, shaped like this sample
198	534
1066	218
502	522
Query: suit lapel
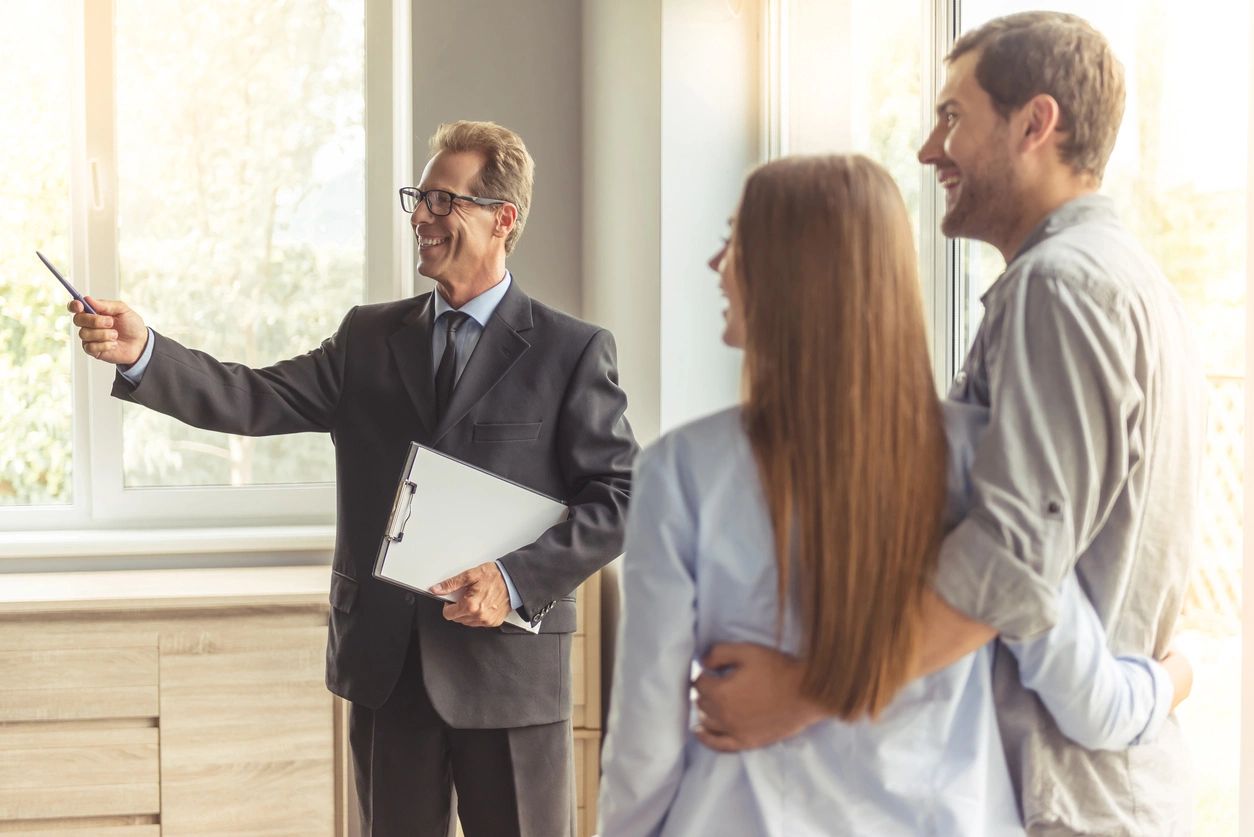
499	348
411	348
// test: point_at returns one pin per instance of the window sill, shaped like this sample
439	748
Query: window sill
98	543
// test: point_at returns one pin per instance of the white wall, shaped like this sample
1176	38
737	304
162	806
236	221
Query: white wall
622	126
670	129
710	141
517	64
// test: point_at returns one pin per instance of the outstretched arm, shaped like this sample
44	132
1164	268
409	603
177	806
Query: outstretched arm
292	396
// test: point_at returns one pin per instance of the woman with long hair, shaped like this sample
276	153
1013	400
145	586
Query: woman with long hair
808	518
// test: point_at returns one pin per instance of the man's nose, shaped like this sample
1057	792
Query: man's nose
932	150
422	214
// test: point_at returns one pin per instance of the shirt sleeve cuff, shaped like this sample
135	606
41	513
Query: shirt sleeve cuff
135	372
515	601
978	576
1164	694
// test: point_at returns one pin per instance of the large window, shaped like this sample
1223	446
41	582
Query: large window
205	162
861	76
36	438
241	205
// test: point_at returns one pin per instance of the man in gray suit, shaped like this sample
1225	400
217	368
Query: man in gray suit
442	695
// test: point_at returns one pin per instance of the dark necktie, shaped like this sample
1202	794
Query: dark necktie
446	375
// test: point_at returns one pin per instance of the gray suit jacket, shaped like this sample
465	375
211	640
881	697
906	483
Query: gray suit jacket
538	403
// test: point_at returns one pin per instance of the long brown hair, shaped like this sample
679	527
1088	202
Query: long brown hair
843	416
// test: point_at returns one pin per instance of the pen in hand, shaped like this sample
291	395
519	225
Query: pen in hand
73	290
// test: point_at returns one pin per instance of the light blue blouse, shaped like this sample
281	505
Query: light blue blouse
699	570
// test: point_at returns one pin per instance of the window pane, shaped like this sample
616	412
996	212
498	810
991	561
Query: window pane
854	83
1187	203
36	439
241	219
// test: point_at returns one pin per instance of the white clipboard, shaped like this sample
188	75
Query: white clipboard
449	516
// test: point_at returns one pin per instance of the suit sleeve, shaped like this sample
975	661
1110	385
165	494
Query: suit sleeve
650	708
293	396
596	450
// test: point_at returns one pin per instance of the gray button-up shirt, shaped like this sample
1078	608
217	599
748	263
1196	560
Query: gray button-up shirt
1091	459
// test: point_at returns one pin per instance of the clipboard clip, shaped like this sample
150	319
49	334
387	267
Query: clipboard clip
402	507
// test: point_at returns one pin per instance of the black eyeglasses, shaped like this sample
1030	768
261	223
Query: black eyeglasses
439	201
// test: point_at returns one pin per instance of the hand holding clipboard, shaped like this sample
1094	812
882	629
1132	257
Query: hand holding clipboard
449	517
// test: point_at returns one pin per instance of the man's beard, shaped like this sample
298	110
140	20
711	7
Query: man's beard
986	207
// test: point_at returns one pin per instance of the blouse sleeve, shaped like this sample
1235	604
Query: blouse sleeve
650	706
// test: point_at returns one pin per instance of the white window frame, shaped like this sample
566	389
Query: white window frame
939	257
100	499
1245	782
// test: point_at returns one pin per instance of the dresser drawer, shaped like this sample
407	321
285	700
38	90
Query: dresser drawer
80	676
94	828
78	771
90	828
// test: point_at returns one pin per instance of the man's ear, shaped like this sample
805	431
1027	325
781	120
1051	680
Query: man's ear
1039	121
506	217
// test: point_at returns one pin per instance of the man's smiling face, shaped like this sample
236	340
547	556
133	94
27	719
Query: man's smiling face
455	249
972	151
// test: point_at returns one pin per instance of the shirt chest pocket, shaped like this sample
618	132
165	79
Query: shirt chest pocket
527	431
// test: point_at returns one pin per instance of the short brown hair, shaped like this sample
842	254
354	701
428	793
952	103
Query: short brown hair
1023	55
508	170
853	473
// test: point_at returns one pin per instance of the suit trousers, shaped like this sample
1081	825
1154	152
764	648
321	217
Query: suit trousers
410	768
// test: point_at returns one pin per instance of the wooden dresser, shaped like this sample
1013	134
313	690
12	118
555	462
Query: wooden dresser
191	702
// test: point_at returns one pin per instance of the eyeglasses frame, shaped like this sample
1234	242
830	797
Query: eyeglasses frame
421	197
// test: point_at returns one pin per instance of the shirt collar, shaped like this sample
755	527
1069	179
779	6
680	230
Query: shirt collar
481	307
1082	210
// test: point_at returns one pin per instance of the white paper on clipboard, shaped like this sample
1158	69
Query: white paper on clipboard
449	516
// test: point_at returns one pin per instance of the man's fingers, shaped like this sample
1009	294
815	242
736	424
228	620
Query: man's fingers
726	655
114	307
465	606
705	706
83	320
719	741
456	612
471	617
97	335
457	582
710	713
708	722
707	684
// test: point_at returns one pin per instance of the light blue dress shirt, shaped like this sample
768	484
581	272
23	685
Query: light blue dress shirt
480	310
700	569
